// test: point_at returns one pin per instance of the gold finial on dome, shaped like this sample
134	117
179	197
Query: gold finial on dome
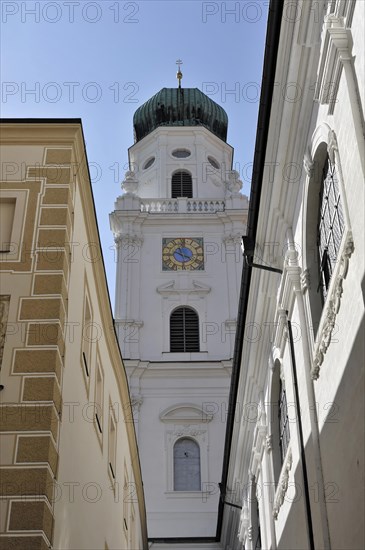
179	74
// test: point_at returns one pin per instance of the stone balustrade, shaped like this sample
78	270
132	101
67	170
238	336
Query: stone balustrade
182	205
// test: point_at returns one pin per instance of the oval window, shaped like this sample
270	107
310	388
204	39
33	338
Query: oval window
149	163
181	153
214	163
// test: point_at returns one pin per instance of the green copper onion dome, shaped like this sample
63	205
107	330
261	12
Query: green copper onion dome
180	107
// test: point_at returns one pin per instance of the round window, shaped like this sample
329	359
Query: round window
181	153
148	163
214	163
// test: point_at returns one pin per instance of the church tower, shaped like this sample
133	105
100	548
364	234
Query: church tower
177	228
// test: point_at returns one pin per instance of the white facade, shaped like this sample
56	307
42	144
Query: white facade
179	395
325	46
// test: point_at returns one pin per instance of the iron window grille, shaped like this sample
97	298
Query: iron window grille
184	330
330	226
181	185
258	534
284	431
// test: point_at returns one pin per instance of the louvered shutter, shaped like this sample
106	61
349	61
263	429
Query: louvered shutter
184	330
181	185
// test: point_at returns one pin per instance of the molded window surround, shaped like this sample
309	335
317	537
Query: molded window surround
328	243
186	421
12	217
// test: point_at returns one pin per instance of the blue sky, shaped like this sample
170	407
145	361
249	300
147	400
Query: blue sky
101	60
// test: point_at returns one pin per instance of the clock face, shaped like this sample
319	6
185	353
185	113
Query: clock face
183	253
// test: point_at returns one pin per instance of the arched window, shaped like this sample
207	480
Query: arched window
279	420
184	330
330	226
284	432
181	185
186	465
325	223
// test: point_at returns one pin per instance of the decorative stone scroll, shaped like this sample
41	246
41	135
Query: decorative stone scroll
283	484
332	307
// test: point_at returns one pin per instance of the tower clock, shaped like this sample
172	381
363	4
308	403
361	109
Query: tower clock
182	253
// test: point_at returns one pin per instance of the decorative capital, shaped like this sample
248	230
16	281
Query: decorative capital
128	239
268	443
232	239
332	146
308	162
136	402
233	183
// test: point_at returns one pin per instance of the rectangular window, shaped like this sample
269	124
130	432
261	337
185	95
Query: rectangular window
133	527
4	313
112	450
99	399
126	498
86	338
7	210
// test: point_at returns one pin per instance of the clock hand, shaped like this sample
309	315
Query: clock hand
180	251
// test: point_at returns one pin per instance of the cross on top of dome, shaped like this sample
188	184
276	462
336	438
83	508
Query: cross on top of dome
179	74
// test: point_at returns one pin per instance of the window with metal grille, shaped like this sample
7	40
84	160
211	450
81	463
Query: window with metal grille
186	465
87	337
330	226
184	330
181	185
258	530
284	432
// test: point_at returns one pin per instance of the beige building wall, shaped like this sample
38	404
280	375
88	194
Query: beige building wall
70	474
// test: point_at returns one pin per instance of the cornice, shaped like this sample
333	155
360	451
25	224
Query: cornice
169	289
336	50
185	412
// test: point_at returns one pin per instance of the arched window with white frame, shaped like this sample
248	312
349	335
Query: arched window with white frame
325	225
187	465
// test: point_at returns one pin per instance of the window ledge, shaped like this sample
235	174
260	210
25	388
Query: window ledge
181	356
188	494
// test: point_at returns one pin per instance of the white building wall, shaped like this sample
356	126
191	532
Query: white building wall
332	403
